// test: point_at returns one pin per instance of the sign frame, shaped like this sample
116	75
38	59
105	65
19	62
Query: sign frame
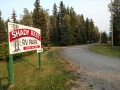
23	38
16	32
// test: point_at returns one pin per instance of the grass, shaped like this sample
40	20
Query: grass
107	50
52	76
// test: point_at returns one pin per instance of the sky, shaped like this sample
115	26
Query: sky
97	10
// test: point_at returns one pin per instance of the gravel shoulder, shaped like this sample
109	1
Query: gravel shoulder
97	72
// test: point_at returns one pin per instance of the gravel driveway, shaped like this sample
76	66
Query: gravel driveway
103	72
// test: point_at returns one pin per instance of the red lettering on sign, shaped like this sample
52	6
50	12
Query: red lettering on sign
31	47
19	33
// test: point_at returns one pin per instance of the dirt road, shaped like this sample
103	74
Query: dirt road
103	72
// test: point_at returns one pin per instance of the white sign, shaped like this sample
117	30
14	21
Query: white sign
39	50
23	38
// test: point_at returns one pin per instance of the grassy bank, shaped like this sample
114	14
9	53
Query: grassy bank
107	50
52	76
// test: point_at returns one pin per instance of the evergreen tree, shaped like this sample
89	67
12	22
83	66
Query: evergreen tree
45	28
3	33
55	11
60	24
97	34
62	10
36	17
66	29
6	24
78	39
83	33
0	15
68	11
14	20
58	28
104	37
26	18
40	21
87	30
91	30
6	27
73	24
53	26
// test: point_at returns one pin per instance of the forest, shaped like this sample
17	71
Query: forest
64	27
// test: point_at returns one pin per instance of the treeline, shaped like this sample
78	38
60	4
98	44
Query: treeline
68	28
63	27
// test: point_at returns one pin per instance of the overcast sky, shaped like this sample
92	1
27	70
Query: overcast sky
95	9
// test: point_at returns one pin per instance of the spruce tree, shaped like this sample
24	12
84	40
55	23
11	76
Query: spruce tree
53	26
91	30
97	34
87	30
104	37
73	24
68	11
26	18
80	33
45	29
78	39
66	29
36	17
83	33
6	24
40	21
60	25
6	27
3	33
14	20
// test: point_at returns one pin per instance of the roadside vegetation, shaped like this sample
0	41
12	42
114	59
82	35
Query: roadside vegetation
107	50
52	76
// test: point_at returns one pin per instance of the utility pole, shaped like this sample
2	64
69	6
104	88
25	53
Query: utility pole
111	10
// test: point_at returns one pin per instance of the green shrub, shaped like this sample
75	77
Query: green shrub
4	52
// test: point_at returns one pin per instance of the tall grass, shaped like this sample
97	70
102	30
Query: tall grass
107	50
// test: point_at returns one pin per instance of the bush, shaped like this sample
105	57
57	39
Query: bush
4	52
